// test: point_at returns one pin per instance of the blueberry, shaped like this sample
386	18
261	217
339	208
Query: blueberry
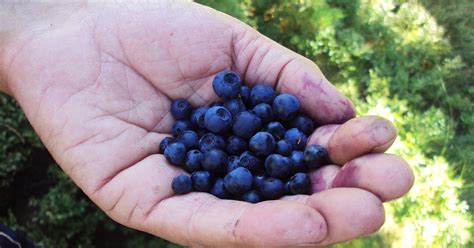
258	180
202	181
235	145
217	119
175	153
272	189
245	94
283	147
181	184
216	104
261	93
164	143
232	164
249	161
180	109
219	190
278	166
192	162
189	138
234	106
209	141
252	196
276	129
238	181
303	123
246	124
263	111
315	156
297	160
288	188
201	132
226	84
197	117
180	126
262	144
300	183
214	160
286	106
296	138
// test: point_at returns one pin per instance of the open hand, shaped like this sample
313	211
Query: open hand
97	84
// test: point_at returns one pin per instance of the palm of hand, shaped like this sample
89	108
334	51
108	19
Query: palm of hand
97	90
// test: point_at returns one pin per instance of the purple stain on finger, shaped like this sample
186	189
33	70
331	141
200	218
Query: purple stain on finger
347	176
332	107
319	183
349	113
309	84
323	134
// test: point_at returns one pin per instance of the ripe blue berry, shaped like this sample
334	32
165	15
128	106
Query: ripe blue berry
226	84
303	123
215	161
315	156
296	138
288	188
219	190
164	143
258	180
210	141
181	184
283	147
245	94
192	162
263	111
276	129
235	145
297	160
175	153
300	183
180	126
197	117
286	106
262	144
180	109
278	166
252	196
216	104
246	124
262	93
201	132
189	138
272	189
217	119
250	161
238	181
232	164
202	181
234	106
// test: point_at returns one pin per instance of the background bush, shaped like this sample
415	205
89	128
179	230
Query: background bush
410	62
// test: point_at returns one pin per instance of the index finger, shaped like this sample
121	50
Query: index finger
260	59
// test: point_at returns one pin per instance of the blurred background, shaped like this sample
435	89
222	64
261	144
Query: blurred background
410	62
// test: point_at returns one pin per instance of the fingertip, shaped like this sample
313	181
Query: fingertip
287	223
359	136
349	213
385	175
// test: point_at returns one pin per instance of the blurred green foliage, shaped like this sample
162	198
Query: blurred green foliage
410	62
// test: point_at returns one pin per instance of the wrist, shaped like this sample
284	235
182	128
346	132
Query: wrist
22	20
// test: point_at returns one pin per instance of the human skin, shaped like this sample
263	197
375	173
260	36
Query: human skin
96	80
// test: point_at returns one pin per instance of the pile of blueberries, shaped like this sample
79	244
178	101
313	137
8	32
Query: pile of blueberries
250	147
